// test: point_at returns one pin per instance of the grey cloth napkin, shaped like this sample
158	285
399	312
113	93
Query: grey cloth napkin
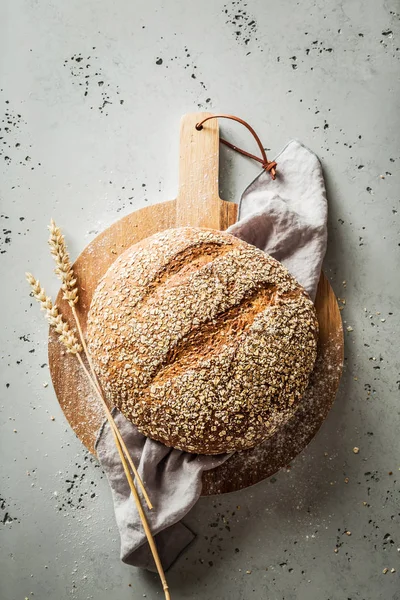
173	482
286	218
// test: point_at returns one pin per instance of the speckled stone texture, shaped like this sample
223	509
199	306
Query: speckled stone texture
90	99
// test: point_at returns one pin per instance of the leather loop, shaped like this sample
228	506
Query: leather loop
269	166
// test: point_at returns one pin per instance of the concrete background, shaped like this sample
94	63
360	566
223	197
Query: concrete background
86	141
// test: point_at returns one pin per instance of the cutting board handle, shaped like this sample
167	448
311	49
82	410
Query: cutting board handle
198	202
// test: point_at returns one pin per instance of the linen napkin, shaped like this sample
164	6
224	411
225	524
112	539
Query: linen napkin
287	218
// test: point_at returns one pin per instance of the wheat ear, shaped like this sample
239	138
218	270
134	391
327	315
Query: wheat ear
64	271
70	341
67	337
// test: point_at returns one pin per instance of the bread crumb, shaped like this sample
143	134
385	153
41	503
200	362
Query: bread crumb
356	450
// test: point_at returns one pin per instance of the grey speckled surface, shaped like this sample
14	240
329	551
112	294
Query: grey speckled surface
86	141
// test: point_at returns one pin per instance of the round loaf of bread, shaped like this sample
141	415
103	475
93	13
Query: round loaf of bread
202	340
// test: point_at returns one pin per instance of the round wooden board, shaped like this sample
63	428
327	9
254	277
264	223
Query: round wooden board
76	398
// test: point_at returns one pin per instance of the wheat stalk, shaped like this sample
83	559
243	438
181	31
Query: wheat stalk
135	495
67	337
70	341
64	271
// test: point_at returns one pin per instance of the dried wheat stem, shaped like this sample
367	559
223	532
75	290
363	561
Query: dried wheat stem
63	268
94	381
70	341
67	337
135	494
149	536
65	272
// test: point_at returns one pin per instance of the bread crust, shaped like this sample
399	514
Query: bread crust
202	340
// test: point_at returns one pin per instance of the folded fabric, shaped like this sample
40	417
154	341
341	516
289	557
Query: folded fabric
286	218
173	482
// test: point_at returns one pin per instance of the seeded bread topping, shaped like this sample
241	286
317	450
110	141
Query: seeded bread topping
202	340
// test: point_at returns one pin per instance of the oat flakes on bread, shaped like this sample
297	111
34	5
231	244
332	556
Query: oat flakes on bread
202	340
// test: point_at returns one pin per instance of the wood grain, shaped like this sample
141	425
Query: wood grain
197	204
198	201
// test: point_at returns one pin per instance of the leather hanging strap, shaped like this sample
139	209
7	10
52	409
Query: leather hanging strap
269	166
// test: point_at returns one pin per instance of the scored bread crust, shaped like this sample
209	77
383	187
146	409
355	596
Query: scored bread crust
203	341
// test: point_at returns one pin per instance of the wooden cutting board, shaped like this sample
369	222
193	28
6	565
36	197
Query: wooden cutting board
198	204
